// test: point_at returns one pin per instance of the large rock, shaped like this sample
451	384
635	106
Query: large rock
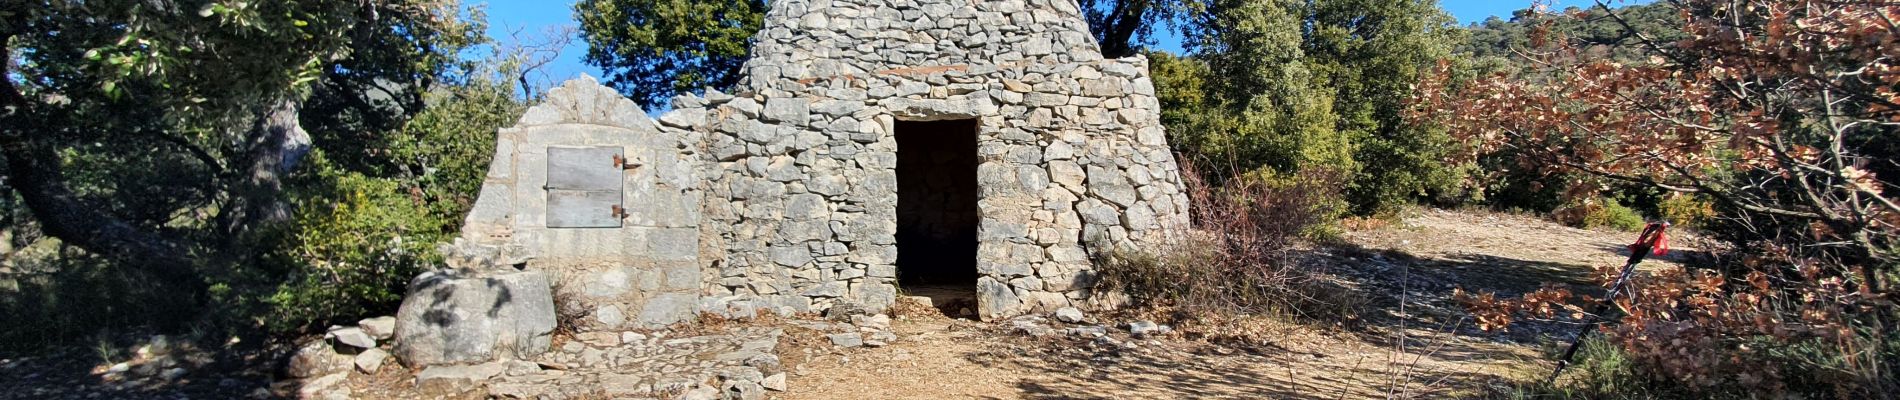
450	318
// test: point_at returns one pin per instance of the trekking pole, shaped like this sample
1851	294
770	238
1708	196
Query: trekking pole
1652	240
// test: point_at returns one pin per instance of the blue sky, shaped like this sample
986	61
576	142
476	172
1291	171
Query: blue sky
507	16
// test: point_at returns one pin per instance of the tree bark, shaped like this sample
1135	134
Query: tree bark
278	143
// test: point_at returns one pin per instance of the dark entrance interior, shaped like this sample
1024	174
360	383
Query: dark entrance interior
937	213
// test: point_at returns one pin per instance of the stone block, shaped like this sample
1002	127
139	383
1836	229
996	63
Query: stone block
794	111
450	318
667	309
673	244
370	360
609	283
806	207
381	328
351	336
828	289
681	275
790	256
995	299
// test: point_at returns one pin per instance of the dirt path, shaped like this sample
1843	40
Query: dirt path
1414	265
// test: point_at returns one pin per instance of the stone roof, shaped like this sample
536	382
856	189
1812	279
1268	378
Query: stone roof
805	40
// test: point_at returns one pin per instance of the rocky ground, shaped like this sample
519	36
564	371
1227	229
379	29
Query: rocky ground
1411	341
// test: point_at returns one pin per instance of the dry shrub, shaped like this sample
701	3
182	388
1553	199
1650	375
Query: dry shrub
1240	260
1686	210
1364	224
1800	327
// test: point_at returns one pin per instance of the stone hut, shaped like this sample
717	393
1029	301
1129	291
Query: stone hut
950	148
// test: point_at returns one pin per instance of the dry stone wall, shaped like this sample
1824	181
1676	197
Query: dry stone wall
801	161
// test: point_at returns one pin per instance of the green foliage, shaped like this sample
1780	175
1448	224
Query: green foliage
1283	116
352	111
1373	51
357	239
655	49
1493	44
1614	214
1263	135
178	57
444	151
143	131
1600	213
153	112
1312	85
1600	371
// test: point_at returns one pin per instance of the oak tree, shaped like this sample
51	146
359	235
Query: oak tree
158	134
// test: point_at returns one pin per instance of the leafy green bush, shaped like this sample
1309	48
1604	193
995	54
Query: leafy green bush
174	155
1600	213
1284	87
1600	371
1614	215
357	242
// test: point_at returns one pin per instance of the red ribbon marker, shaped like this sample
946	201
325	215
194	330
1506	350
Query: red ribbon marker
1654	239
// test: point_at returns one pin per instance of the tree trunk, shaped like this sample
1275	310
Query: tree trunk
278	144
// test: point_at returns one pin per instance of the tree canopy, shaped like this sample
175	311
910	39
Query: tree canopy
99	94
1312	85
653	50
203	148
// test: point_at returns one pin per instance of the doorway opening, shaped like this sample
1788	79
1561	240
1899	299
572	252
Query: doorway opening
937	213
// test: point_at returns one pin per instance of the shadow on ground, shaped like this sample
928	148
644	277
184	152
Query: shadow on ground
166	371
1084	370
1412	340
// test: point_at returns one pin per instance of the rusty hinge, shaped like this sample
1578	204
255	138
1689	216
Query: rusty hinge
618	212
624	163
